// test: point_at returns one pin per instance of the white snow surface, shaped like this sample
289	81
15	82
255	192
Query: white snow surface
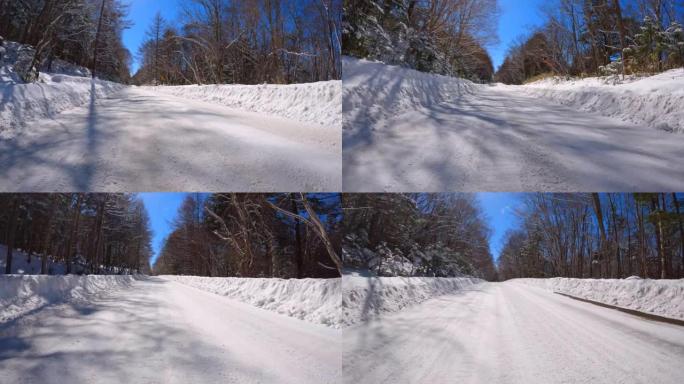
161	331
52	94
365	298
69	133
65	87
408	131
511	333
313	300
655	101
319	103
659	297
21	294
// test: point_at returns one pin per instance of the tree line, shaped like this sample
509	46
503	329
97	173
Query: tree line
99	233
447	37
425	234
83	32
287	235
599	37
611	235
246	42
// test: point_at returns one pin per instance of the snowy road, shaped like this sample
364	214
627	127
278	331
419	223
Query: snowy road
498	139
138	140
160	331
512	333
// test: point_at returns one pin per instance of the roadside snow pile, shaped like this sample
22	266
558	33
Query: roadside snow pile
364	298
317	103
374	91
659	297
20	294
51	94
656	101
313	300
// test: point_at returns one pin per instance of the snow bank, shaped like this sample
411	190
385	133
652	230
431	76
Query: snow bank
20	294
51	94
313	300
366	297
659	297
655	101
317	103
374	91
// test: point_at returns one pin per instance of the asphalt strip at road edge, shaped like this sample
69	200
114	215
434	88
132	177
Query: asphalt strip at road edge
645	315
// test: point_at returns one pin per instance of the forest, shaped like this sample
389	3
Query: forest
440	234
212	42
246	42
83	32
286	235
601	37
611	235
447	37
97	233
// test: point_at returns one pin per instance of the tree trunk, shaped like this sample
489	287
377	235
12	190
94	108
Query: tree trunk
681	232
48	234
602	230
9	233
299	258
621	30
74	231
655	210
98	35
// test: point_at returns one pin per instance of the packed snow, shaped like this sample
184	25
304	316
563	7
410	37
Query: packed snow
511	333
407	131
313	300
659	297
161	331
319	103
365	298
655	101
22	294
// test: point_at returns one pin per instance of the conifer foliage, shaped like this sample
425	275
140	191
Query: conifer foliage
439	235
440	36
100	233
603	37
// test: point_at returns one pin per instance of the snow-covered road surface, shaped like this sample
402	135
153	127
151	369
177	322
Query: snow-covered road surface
146	141
160	331
407	131
512	333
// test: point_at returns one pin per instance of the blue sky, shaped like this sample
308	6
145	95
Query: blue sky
517	17
141	13
499	209
162	209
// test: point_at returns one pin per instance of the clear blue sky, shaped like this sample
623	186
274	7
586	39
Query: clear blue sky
141	13
162	208
499	208
517	17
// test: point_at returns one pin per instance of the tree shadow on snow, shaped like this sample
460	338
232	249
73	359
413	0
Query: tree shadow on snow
115	338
